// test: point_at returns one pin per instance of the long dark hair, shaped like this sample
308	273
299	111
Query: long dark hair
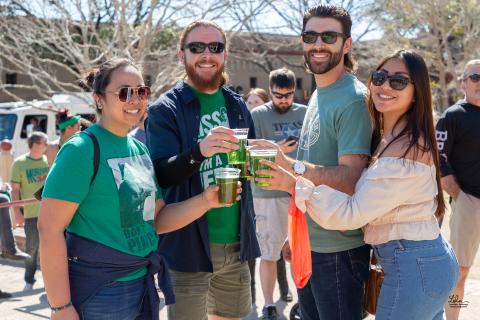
419	118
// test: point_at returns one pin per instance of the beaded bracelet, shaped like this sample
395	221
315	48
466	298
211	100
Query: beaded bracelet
65	306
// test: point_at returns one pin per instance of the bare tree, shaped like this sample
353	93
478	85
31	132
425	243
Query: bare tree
50	44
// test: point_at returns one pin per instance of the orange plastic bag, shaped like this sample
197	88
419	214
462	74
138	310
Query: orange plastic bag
299	245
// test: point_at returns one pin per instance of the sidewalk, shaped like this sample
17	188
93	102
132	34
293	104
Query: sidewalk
33	305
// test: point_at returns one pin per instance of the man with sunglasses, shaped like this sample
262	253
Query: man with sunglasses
188	134
458	139
333	150
279	120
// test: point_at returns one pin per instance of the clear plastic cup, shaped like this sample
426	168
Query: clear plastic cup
227	180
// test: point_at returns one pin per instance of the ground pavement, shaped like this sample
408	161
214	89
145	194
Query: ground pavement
33	305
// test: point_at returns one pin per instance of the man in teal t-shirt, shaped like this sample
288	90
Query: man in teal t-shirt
334	148
28	175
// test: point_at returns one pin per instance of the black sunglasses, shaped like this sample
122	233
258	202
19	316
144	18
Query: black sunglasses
125	94
329	37
199	47
475	77
279	95
396	82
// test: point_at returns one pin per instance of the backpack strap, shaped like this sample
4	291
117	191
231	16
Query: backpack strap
96	161
96	154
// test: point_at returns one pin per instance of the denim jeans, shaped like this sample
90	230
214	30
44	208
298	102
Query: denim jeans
119	300
419	277
6	234
335	289
31	247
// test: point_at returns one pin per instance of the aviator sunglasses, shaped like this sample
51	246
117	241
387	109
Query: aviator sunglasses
125	94
328	37
396	82
475	77
199	47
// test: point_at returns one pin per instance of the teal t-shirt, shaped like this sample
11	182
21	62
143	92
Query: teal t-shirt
223	223
337	123
271	125
118	209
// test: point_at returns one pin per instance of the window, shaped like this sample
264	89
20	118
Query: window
7	126
299	83
33	123
11	78
253	82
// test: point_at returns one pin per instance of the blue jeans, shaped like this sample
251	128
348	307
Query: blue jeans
6	234
31	247
335	289
119	300
419	277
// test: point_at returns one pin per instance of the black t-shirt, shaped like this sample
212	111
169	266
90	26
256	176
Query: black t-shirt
458	139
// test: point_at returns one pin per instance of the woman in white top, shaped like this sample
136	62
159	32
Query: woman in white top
398	199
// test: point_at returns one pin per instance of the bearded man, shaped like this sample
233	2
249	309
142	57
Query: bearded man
333	150
189	131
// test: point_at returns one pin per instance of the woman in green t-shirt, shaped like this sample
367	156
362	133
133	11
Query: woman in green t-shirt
120	209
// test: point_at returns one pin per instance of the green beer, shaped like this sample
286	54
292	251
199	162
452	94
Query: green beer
244	167
227	180
240	155
255	157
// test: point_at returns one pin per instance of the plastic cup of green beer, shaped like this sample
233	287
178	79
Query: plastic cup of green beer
255	165
244	167
240	155
227	180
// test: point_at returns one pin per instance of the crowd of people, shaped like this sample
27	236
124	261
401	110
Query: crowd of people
124	212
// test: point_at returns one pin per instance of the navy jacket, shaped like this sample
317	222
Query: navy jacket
92	265
172	129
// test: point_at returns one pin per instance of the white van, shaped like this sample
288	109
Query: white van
15	117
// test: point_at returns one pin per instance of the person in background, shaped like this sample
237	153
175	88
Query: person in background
6	159
103	267
29	172
9	249
256	97
279	120
458	139
68	126
139	132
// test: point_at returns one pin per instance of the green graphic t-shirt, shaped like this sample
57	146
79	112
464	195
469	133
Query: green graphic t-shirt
118	209
223	223
337	123
30	174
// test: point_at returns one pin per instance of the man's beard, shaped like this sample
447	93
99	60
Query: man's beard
324	67
283	108
202	84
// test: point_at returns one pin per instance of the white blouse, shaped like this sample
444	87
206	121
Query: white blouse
394	198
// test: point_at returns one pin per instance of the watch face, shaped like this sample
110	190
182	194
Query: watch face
299	167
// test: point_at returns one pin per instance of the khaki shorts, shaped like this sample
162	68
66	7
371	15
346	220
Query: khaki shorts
225	292
272	225
465	228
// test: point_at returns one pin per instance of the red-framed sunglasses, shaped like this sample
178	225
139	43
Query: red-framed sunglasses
125	94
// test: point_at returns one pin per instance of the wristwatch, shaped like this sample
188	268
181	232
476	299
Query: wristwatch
299	168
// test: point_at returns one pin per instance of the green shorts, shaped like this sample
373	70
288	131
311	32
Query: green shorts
225	292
